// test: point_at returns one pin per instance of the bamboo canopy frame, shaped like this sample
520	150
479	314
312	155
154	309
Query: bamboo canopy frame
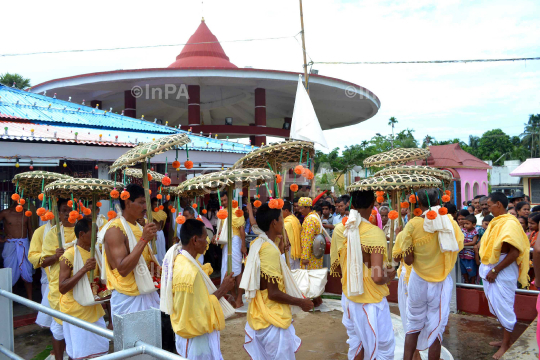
225	179
397	156
137	173
81	188
143	152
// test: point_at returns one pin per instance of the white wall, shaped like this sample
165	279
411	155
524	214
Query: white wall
500	175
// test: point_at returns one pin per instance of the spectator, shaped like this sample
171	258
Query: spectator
512	211
452	210
533	227
471	209
523	209
384	211
482	229
465	205
327	218
462	214
524	224
516	198
466	256
484	210
536	208
405	215
342	205
476	204
527	199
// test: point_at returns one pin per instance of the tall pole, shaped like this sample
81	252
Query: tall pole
229	228
304	47
94	232
148	201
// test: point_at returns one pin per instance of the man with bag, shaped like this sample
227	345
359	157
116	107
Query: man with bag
271	291
198	310
77	298
128	259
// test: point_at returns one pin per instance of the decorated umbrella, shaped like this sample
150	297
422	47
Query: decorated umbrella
394	183
397	156
204	184
82	188
143	152
274	156
137	173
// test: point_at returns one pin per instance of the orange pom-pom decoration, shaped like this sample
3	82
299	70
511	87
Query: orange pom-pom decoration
159	196
87	211
241	193
273	204
443	211
195	206
380	199
40	197
150	192
49	215
156	209
393	215
125	195
168	197
257	196
412	199
294	187
44	218
344	220
41	211
70	203
448	192
374	212
204	211
200	219
98	204
446	198
161	207
173	210
372	220
169	207
257	203
180	219
234	204
111	214
298	169
80	217
22	201
188	164
404	205
15	197
417	212
310	175
166	181
278	178
379	193
28	213
150	177
74	214
280	203
239	213
72	220
176	164
222	214
115	194
431	215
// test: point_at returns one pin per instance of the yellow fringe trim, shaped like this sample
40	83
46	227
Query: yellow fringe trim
183	287
405	252
41	261
374	249
422	241
119	226
67	261
273	278
333	269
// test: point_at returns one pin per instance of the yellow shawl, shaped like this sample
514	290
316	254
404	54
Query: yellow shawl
159	216
506	228
293	228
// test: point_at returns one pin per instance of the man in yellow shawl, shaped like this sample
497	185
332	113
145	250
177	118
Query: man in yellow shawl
271	292
293	229
128	260
50	256
311	227
431	246
359	249
504	253
159	217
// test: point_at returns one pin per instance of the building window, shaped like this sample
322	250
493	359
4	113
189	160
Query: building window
534	190
475	189
467	191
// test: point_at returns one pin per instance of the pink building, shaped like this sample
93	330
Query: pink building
469	173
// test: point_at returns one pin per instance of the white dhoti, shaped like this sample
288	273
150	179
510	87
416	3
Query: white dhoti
160	246
83	344
402	298
43	319
272	343
57	330
502	293
236	257
125	304
204	347
15	256
369	327
428	307
295	263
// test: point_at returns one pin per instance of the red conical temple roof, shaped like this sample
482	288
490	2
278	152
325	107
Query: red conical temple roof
202	51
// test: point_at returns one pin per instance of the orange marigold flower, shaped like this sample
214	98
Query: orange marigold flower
28	213
294	187
15	197
404	205
239	213
273	204
41	211
393	215
204	211
40	197
241	193
87	211
278	178
446	198
114	194
98	204
344	220
372	220
188	164
44	218
166	181
74	214
443	211
412	199
448	192
156	209
111	214
49	215
195	206
161	207
176	164
149	192
173	210
80	217
417	212
222	214
168	197
180	219
159	196
70	203
380	199
257	203
125	195
234	204
72	220
379	193
374	212
169	207
149	176
298	169
280	203
22	201
431	215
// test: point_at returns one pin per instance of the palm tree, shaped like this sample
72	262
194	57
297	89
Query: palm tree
392	121
427	141
532	130
14	80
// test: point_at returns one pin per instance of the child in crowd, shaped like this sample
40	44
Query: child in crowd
462	214
524	224
482	229
466	256
534	218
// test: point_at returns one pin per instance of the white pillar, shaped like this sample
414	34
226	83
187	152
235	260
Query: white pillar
103	173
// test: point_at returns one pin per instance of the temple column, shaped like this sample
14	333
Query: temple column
130	104
194	105
260	117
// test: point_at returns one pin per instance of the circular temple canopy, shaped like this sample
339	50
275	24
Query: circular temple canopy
391	182
396	157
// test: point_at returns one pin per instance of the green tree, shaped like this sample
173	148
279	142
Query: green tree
392	121
428	141
20	82
405	139
530	137
493	145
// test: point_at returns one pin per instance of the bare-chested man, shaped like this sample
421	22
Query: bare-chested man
128	259
17	231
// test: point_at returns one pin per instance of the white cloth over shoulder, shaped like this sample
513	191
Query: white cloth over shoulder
444	228
15	256
502	293
369	326
271	343
428	307
251	280
83	344
204	347
355	262
82	292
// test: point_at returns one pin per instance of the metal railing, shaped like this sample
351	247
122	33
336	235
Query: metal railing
136	334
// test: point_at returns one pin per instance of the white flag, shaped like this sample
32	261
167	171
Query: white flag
305	125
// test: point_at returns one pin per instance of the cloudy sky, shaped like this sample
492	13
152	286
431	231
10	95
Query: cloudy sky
444	101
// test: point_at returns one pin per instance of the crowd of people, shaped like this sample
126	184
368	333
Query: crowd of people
491	243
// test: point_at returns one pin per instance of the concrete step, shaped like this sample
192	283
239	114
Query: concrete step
525	347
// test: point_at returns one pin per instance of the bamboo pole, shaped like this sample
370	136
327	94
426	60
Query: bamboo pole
229	229
94	233
147	198
304	47
283	181
58	222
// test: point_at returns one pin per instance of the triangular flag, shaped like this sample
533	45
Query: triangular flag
305	125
